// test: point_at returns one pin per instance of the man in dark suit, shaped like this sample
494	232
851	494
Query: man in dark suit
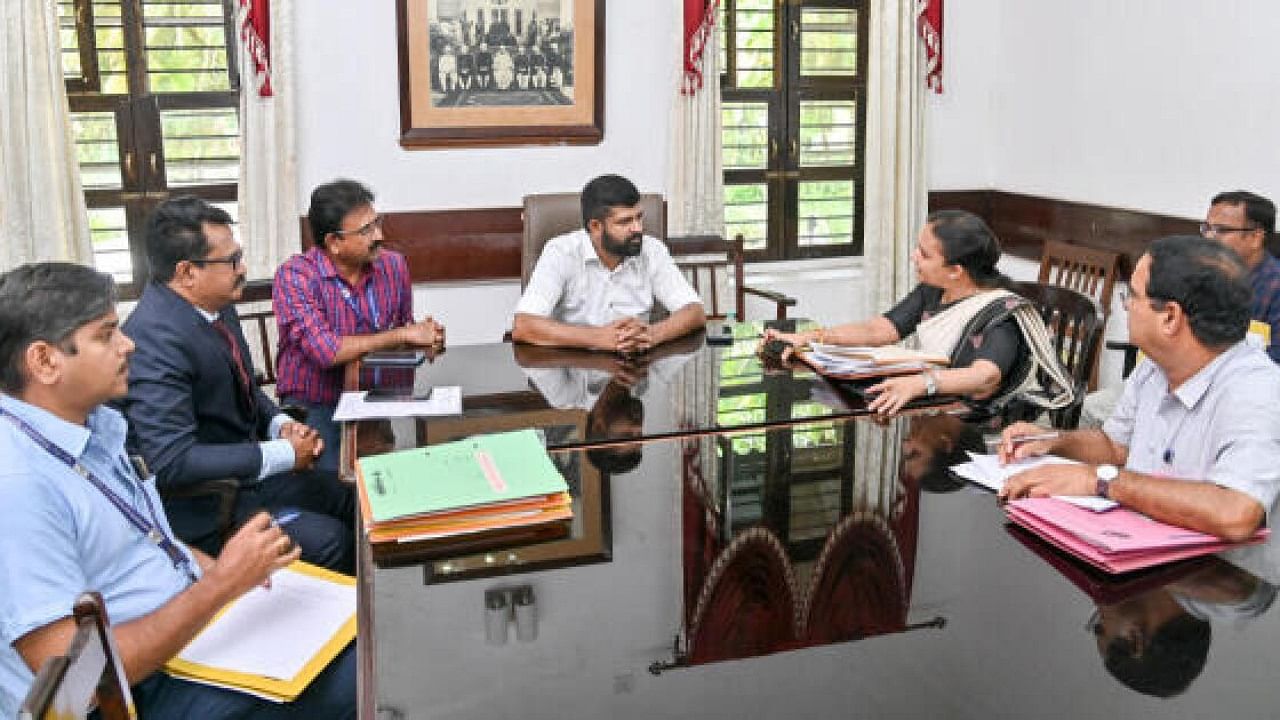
194	410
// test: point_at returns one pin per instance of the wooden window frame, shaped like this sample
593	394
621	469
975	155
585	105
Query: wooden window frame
139	135
783	173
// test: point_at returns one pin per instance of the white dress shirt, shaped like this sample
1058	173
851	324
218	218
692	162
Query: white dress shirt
571	285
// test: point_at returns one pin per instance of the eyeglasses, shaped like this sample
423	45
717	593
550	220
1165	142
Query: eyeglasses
364	230
1214	230
1128	296
234	260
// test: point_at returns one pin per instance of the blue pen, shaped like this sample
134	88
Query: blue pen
286	517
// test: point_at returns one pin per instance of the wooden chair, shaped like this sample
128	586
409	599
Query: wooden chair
707	260
1088	271
715	267
91	672
1076	324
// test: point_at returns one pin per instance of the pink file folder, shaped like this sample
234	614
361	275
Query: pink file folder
1117	541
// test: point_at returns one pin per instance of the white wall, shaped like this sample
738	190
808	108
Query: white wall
349	122
349	114
1146	104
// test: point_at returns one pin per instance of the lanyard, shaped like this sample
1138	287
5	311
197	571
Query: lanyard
354	304
150	529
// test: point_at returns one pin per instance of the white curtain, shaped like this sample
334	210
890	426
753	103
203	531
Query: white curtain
42	209
896	195
268	153
695	204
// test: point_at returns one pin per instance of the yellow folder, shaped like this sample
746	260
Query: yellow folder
327	614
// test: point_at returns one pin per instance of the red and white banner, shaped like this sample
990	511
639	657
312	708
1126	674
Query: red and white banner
699	23
255	36
929	25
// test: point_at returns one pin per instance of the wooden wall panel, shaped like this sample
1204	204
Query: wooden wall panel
484	243
1024	222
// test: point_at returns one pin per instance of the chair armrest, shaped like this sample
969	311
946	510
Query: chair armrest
1130	354
780	300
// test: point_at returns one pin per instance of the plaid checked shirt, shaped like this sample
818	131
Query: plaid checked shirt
315	309
1266	299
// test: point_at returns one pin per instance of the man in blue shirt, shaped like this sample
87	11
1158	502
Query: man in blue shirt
62	355
1243	222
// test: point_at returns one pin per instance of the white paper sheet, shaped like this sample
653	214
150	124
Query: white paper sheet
273	633
987	471
444	400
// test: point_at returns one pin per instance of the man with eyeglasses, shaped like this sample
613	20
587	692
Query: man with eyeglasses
1244	222
343	298
195	411
1195	438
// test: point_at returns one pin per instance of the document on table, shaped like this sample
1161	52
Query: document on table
444	400
273	642
987	471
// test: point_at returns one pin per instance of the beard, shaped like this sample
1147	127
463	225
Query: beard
629	246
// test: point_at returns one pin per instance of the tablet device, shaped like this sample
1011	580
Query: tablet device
402	358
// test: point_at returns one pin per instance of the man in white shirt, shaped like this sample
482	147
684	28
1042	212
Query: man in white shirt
595	288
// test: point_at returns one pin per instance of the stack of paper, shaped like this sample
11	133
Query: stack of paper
354	405
272	642
495	488
987	471
849	362
1117	541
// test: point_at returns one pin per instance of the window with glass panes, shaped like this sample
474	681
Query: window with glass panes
153	92
798	478
793	87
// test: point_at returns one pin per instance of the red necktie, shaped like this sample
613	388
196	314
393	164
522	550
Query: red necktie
236	358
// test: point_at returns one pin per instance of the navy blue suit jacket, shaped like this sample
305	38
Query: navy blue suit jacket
187	408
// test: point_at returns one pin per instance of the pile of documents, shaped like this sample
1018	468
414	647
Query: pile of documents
857	362
1118	540
987	471
273	641
464	496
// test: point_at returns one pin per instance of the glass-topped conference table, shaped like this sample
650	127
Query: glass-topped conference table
747	543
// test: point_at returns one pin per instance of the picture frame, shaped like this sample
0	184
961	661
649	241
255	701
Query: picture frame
483	73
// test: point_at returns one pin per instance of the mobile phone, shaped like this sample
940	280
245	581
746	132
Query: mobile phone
397	394
719	333
401	358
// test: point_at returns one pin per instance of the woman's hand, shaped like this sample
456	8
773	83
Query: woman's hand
892	394
767	347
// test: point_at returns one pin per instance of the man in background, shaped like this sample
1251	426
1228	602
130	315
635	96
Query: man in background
343	298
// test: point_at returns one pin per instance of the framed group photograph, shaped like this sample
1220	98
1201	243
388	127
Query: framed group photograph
479	73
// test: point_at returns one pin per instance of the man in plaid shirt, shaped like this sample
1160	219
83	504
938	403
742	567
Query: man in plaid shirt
343	298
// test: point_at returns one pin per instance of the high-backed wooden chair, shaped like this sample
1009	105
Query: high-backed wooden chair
90	673
1088	271
708	261
715	268
1076	324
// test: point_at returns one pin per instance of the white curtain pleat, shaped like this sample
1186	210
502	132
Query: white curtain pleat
695	201
268	190
42	208
896	194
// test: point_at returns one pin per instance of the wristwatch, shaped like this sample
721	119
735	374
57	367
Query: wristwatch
930	384
1105	474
